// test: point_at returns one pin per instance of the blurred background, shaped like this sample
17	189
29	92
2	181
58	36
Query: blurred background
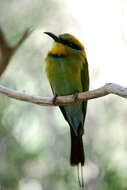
35	140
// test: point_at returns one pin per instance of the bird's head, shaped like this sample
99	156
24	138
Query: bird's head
66	41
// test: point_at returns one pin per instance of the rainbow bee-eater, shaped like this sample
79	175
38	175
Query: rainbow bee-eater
67	72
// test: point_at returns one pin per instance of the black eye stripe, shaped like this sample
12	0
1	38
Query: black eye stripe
70	44
74	46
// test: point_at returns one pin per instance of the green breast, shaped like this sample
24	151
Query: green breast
64	74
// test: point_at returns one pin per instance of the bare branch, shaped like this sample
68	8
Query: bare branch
3	42
22	39
7	51
109	88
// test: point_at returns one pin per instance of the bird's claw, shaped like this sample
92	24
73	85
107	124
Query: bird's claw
75	96
54	99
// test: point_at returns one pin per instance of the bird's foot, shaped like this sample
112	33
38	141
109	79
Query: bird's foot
54	99
75	96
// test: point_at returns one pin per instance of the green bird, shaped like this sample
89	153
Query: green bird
67	72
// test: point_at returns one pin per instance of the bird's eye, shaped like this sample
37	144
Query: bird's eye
74	46
71	45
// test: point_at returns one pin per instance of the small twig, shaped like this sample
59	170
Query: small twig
22	39
109	88
3	42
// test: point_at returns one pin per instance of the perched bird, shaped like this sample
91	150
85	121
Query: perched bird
67	72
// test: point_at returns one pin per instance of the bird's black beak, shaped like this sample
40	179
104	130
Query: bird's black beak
53	36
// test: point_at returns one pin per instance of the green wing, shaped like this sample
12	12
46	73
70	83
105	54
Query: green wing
85	83
77	107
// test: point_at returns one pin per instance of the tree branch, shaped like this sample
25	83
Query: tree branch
109	88
24	36
8	51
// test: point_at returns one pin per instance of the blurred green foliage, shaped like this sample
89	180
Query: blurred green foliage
34	140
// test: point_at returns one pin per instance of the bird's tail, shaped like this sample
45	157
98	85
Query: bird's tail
77	156
77	150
